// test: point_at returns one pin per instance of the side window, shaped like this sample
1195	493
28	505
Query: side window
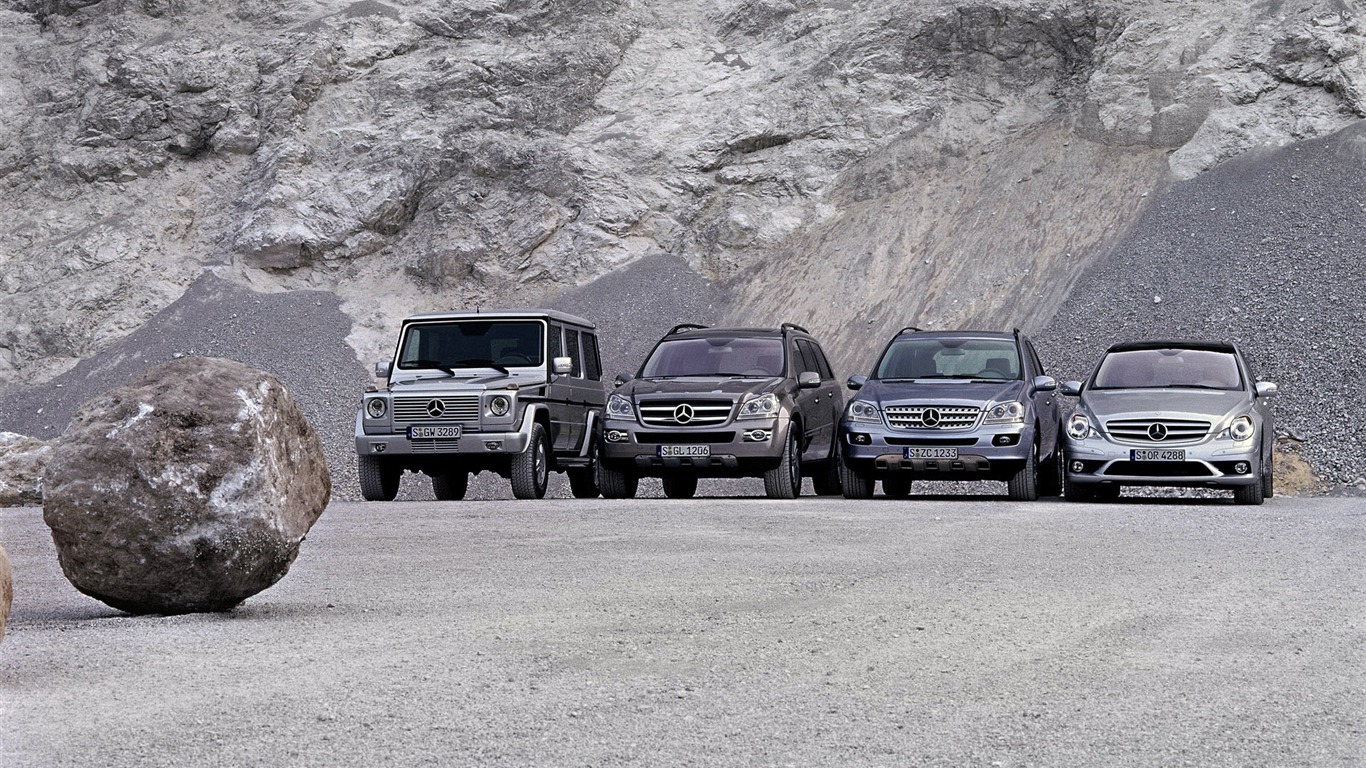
824	365
806	356
554	344
591	362
1034	359
571	347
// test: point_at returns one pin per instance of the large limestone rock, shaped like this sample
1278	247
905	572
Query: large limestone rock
22	460
189	489
6	591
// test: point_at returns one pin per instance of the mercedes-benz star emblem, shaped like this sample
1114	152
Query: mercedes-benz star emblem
683	413
931	417
1157	432
435	408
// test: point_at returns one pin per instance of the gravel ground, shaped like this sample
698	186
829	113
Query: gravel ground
728	632
1266	251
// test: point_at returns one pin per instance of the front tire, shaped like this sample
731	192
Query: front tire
1251	495
1268	479
680	486
1050	474
531	468
583	481
854	484
378	478
451	486
785	480
616	484
1024	485
827	481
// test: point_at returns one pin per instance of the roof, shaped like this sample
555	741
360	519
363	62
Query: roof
957	334
1212	346
502	314
688	329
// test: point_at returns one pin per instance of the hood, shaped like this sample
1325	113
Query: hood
1196	404
434	381
721	386
940	392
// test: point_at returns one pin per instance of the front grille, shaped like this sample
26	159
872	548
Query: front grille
685	413
1158	469
683	438
418	410
433	446
932	416
1157	430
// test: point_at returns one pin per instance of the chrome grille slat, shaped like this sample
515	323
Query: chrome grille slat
1176	430
950	416
413	410
432	446
705	413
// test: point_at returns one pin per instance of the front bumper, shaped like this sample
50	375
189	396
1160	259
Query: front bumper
469	444
732	447
985	452
1215	463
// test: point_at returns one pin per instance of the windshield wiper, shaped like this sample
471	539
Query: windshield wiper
440	366
482	362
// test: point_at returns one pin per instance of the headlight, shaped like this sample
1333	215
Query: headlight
1241	428
375	408
1078	427
620	407
862	410
760	406
500	405
1009	412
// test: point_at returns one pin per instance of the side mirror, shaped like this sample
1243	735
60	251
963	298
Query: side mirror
382	370
622	378
562	365
808	379
1071	388
1265	389
1045	383
856	382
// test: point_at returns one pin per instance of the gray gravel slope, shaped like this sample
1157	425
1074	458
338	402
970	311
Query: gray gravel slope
1266	251
725	633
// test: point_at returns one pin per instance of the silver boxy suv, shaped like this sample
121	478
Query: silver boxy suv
518	393
1169	413
724	402
953	405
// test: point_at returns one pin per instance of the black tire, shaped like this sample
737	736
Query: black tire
854	484
616	484
1250	495
826	481
1050	474
896	486
1268	478
531	468
451	486
785	480
1024	486
680	486
583	481
378	478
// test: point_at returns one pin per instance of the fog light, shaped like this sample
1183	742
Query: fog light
615	436
1077	466
859	438
1241	468
757	435
1006	439
493	445
378	447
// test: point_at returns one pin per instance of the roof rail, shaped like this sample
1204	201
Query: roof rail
685	327
795	327
910	328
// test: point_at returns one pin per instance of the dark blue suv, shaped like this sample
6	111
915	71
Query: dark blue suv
953	405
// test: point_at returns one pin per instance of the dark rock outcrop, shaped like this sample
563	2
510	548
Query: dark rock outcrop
189	489
22	460
6	591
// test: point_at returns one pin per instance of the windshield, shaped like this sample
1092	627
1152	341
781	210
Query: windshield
473	344
930	358
716	356
1165	368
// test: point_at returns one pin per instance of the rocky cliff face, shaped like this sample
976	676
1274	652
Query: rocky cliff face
433	153
854	165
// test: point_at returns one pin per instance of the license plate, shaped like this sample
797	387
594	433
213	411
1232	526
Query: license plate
682	451
1157	454
427	433
929	453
